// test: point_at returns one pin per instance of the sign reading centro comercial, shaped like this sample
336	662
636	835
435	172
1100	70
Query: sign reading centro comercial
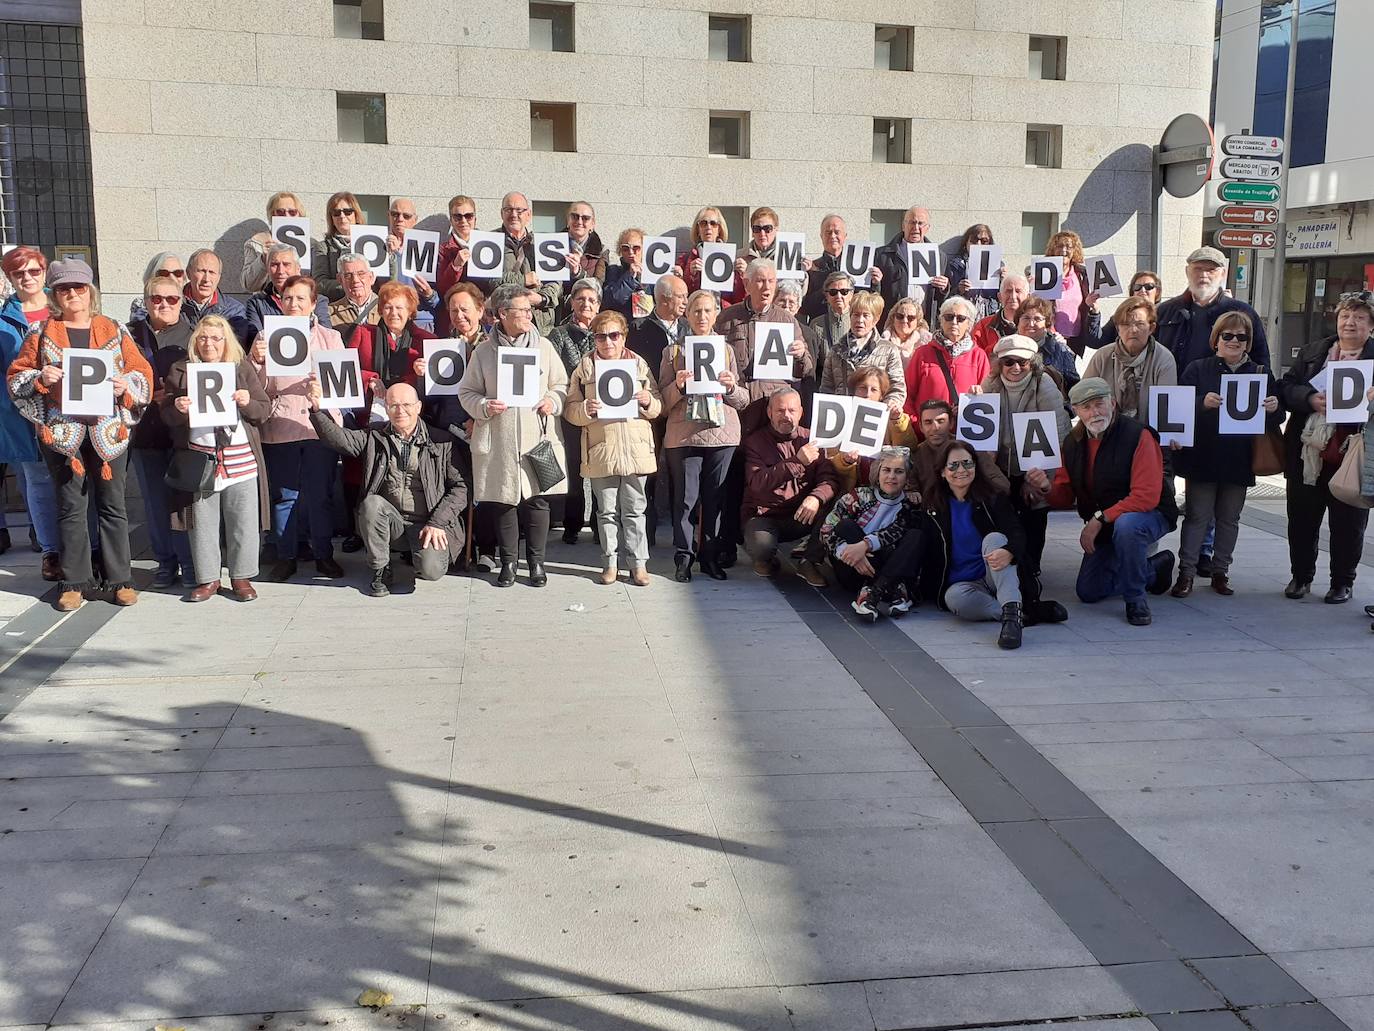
1315	237
1239	146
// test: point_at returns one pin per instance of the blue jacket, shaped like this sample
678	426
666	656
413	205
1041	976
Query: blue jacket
1189	342
223	305
619	290
262	304
17	440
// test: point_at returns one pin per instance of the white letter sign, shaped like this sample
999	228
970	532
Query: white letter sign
829	419
1047	278
1242	404
295	233
980	415
1172	412
341	379
444	367
420	255
1347	387
717	266
984	260
1102	276
1036	435
856	261
211	386
87	382
370	242
866	426
771	360
288	344
616	386
789	255
922	263
486	255
706	361
660	254
551	257
517	377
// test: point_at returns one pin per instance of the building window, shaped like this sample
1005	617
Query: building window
729	137
737	225
553	126
1036	229
1044	146
548	216
1312	84
885	223
728	37
362	117
892	47
551	28
892	141
375	207
358	19
1047	57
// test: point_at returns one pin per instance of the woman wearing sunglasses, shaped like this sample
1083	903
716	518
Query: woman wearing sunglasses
707	227
907	328
984	300
1144	284
951	364
280	205
617	454
343	212
975	558
1218	467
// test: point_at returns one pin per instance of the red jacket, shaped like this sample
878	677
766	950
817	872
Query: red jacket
365	339
986	332
776	481
693	280
925	376
447	277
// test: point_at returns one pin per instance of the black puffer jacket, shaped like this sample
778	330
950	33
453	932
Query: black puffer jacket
991	514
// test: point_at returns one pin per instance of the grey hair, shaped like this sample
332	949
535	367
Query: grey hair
715	301
586	283
505	295
201	253
350	256
962	303
788	288
876	464
783	393
838	277
665	284
1012	277
759	264
280	248
156	263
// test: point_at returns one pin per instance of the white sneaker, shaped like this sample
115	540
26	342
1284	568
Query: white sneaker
486	563
863	605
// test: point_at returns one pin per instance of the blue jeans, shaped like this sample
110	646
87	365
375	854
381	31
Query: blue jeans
300	476
40	498
1120	564
171	548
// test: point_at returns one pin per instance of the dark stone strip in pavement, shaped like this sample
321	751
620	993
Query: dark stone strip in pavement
39	657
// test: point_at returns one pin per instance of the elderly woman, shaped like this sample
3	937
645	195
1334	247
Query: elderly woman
344	212
393	350
282	264
1217	467
236	498
1137	361
872	384
624	292
861	348
832	324
789	298
1313	452
572	340
702	433
86	457
984	299
874	537
907	328
1076	317
617	454
981	541
255	258
300	468
1025	385
166	264
1034	319
26	269
163	337
502	436
1143	284
951	364
707	227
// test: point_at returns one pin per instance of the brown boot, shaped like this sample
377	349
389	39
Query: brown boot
243	590
1183	586
52	568
125	596
203	592
69	600
1221	583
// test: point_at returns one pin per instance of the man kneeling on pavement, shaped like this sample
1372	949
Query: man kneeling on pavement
1114	474
413	488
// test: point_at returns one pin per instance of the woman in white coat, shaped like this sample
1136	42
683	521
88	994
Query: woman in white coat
502	436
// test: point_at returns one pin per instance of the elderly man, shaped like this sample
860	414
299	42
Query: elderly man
202	297
892	260
834	235
1185	322
518	268
282	264
1015	288
358	305
586	253
1114	475
413	487
789	488
402	217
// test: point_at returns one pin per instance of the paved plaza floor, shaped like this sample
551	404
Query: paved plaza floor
705	806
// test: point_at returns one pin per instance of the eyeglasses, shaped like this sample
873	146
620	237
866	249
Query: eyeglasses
984	240
402	406
707	222
173	273
575	217
613	337
958	464
1244	338
1136	324
904	317
344	211
633	248
32	272
515	211
839	293
953	317
356	274
463	216
286	212
1141	288
402	216
762	229
164	299
518	311
69	287
1009	362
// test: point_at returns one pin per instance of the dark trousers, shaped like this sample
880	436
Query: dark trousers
485	537
75	494
698	473
730	516
896	565
659	489
1035	523
532	516
574	503
1306	507
300	477
763	534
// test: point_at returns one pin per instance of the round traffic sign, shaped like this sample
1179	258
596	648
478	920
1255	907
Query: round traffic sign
1185	178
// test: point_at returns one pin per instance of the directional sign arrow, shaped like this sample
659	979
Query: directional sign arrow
1251	168
1248	193
1248	215
1262	239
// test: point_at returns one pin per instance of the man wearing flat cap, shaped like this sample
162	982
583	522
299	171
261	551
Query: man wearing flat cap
1185	322
1114	475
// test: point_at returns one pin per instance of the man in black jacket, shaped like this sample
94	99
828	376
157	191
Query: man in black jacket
413	487
891	260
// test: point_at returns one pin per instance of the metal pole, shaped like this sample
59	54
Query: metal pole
1156	213
1274	296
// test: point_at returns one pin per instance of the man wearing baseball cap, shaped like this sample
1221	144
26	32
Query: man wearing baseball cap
1185	321
1114	475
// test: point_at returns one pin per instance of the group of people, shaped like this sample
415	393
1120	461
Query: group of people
444	481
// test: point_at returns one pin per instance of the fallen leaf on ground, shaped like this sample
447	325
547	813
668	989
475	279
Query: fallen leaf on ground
374	999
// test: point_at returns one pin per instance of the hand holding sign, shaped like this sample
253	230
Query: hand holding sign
420	255
660	252
370	242
287	338
706	361
551	257
616	387
87	382
210	388
980	416
295	233
1242	404
517	377
1047	278
856	261
444	366
922	262
790	255
486	255
772	359
717	266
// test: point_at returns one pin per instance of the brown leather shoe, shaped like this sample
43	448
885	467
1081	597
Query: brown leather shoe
243	590
69	601
202	592
1221	583
765	567
1183	586
52	567
640	577
812	573
125	596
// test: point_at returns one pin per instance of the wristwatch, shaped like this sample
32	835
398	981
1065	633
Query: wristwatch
1101	517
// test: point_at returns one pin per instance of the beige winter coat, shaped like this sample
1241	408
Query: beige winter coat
499	442
613	447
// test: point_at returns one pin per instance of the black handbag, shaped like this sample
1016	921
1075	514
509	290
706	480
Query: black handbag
191	472
543	459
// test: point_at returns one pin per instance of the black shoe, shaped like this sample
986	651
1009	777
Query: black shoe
1204	566
570	535
305	553
165	577
381	582
1010	637
725	558
1033	613
683	573
1297	588
327	567
538	578
4	541
1138	613
1369	611
352	543
1337	596
506	578
1162	571
711	566
281	571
